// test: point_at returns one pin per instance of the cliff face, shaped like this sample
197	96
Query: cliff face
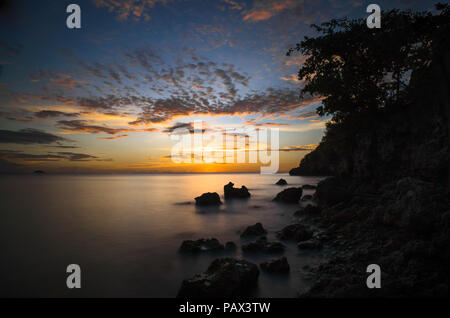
410	140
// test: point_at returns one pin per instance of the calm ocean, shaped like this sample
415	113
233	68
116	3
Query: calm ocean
125	230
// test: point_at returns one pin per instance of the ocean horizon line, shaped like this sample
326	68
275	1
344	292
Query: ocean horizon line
129	173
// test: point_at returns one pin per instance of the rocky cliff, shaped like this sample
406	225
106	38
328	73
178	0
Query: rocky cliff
388	202
411	139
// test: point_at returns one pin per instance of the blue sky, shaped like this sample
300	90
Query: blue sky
109	91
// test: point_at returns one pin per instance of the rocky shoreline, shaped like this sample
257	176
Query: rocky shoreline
403	226
237	277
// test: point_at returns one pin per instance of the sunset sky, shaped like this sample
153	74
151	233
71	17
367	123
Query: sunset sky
106	97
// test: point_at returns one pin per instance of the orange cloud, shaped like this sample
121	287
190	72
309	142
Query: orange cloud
265	10
234	5
292	77
114	137
258	16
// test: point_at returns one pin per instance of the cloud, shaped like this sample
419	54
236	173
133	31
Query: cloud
299	148
184	128
264	124
114	137
234	5
258	15
73	156
64	147
59	79
86	127
265	9
291	78
29	136
51	156
308	114
54	113
17	115
136	9
296	60
269	102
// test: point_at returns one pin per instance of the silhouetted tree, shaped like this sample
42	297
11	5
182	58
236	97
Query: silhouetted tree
360	71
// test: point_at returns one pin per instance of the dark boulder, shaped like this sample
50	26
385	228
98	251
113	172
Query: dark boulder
261	245
209	198
281	182
230	246
295	232
201	245
309	187
306	197
331	191
254	230
231	192
289	195
225	277
279	265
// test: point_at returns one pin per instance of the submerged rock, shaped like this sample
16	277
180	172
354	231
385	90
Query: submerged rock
225	277
306	197
279	265
263	246
295	232
209	198
254	230
231	192
201	245
309	187
281	182
289	195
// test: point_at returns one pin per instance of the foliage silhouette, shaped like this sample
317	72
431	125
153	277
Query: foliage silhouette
361	71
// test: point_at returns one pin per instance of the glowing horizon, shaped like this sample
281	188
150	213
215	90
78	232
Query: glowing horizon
106	97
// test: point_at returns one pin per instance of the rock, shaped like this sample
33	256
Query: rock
230	192
306	197
308	210
281	182
230	246
254	230
309	187
331	191
263	246
289	195
201	245
279	265
413	208
209	198
295	232
225	277
309	245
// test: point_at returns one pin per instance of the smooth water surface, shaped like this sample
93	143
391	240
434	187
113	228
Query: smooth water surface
125	230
